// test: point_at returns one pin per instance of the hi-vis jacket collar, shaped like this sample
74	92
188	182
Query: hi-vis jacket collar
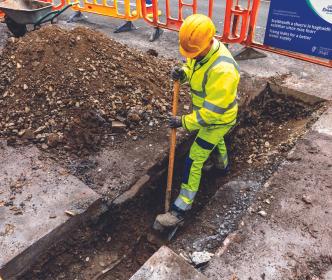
215	47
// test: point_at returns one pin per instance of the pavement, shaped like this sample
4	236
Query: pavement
35	194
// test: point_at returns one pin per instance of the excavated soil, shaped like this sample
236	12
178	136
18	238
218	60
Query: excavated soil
122	239
63	89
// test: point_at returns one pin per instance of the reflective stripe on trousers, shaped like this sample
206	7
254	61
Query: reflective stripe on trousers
207	139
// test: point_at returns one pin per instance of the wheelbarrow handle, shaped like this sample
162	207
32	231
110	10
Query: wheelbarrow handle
52	15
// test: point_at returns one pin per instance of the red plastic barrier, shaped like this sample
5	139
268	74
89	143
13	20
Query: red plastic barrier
170	22
232	33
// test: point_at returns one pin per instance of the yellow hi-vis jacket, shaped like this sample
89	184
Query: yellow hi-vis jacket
213	86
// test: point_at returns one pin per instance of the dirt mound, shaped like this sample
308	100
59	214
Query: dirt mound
65	87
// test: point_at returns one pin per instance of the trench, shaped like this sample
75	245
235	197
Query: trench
268	128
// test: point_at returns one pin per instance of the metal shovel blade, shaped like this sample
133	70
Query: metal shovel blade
158	226
168	232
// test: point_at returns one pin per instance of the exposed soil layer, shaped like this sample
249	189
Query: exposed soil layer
265	132
64	88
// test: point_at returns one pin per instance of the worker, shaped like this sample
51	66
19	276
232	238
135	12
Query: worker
213	76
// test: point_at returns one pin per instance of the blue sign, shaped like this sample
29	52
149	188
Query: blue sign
303	26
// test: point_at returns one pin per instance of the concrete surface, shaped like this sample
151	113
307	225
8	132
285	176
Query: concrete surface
165	265
292	74
294	240
34	195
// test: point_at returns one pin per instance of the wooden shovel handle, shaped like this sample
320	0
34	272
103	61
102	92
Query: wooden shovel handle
176	90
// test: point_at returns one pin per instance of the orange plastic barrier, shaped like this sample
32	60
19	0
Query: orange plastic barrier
111	10
239	24
231	34
2	15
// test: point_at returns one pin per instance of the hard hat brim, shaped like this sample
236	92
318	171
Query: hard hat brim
189	54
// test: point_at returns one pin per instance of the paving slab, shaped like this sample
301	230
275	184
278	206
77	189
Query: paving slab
294	239
34	195
292	74
165	265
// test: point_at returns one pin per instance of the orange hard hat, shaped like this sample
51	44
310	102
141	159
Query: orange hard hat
195	35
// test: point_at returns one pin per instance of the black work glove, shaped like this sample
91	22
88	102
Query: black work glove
174	122
178	73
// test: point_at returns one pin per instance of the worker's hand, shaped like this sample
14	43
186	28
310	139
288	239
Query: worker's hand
178	73
174	122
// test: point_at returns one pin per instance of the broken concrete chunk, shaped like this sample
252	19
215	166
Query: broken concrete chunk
201	258
165	265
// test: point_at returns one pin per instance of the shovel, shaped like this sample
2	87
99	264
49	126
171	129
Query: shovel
156	225
172	139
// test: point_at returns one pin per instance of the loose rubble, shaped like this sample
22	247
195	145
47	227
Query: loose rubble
64	88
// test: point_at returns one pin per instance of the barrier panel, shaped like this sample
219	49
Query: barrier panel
2	15
104	8
170	22
240	24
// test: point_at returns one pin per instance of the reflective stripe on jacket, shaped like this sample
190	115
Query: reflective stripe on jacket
213	85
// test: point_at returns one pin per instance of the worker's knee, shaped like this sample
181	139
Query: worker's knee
200	150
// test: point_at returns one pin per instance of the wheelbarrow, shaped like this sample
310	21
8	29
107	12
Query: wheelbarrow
19	13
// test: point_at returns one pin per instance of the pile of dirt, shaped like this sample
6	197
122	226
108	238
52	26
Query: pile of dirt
64	88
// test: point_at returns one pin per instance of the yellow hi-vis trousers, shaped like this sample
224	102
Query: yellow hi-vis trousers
207	139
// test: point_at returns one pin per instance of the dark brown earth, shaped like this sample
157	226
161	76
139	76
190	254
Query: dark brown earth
64	89
256	146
